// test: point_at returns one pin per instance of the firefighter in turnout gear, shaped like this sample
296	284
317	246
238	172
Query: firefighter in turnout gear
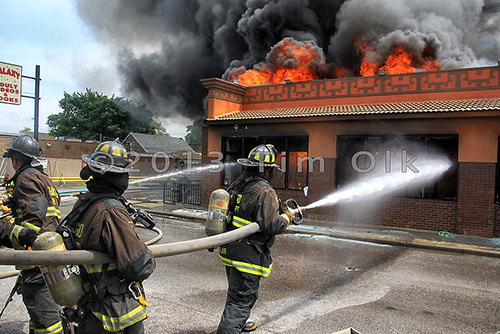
117	303
247	260
35	206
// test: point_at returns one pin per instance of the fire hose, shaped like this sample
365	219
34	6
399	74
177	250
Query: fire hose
77	257
147	243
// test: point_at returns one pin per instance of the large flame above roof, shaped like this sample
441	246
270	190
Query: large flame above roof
400	59
289	59
304	61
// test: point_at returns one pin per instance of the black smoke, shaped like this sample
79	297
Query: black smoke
165	47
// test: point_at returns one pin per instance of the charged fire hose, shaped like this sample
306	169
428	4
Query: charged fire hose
22	257
147	243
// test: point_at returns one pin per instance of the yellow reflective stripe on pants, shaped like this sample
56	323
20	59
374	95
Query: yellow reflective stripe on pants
247	267
52	211
113	324
54	329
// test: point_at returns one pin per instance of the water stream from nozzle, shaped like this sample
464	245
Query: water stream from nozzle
214	167
429	169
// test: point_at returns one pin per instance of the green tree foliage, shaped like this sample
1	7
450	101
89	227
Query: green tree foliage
93	115
193	136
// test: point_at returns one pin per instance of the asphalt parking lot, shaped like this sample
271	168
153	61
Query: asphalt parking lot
319	285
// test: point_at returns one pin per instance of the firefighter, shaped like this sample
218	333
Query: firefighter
247	260
35	205
5	181
118	303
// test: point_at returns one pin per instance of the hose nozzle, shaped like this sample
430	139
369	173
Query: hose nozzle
294	207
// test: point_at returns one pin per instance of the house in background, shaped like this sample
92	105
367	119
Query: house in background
157	154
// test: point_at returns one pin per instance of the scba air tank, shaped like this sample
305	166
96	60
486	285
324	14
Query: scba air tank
64	282
218	207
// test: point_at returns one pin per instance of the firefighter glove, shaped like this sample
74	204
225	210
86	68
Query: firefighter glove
27	236
289	214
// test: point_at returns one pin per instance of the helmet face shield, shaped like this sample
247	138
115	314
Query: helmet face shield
109	156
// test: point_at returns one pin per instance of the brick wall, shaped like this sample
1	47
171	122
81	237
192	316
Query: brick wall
56	148
321	183
496	232
420	214
476	192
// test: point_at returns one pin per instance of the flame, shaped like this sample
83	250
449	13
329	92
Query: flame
399	61
289	59
304	61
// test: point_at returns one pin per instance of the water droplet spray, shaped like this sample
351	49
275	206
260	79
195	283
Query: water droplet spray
429	168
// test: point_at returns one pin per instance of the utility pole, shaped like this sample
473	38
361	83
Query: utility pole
36	98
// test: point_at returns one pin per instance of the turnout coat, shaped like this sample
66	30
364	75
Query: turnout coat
106	227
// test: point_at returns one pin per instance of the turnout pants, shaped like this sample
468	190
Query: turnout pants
91	325
43	311
242	294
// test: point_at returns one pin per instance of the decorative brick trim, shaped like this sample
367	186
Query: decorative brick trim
413	83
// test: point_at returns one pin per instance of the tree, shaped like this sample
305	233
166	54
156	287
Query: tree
193	136
93	115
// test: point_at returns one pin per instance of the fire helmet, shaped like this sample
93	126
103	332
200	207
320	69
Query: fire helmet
25	145
108	156
262	155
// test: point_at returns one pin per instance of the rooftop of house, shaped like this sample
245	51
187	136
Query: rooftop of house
155	143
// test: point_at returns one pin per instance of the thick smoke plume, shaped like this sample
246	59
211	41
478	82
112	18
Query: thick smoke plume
165	47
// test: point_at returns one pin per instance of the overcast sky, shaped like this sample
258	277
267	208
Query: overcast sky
50	33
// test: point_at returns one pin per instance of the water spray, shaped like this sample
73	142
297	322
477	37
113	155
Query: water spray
214	167
428	170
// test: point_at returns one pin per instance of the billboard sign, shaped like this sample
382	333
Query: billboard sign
10	83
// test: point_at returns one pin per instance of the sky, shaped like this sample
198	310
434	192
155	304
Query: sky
51	34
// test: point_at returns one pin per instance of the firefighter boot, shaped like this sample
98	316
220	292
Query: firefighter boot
250	326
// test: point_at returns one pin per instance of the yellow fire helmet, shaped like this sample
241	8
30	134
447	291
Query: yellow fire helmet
108	156
262	155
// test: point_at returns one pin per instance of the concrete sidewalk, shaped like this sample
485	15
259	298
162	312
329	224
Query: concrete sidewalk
442	241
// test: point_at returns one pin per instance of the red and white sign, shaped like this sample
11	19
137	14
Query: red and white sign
10	83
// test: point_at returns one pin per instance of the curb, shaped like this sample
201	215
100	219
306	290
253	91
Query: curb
402	241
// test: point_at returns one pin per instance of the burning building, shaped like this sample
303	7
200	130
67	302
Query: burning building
325	80
319	125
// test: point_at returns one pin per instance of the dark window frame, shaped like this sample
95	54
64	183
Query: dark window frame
434	191
249	142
